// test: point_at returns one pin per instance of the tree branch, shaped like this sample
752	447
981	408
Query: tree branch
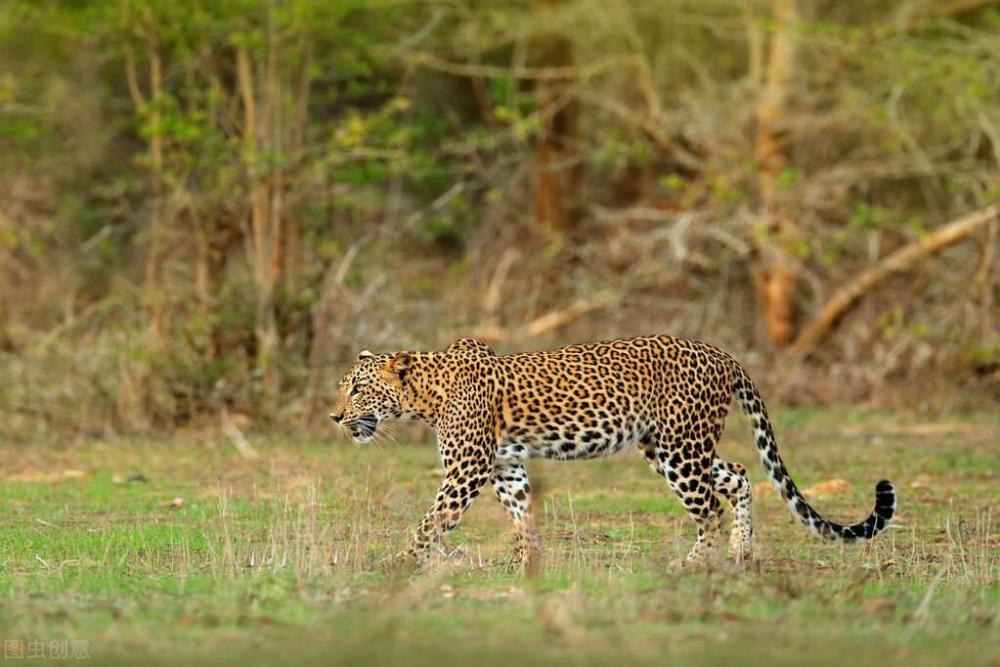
844	298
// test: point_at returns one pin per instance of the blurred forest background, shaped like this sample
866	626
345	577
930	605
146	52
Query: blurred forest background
207	208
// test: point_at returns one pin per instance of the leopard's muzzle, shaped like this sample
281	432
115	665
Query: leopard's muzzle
363	428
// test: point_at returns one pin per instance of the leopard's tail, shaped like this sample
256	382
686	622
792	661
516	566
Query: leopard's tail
885	494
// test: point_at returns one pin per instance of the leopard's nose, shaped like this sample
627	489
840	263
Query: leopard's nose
336	418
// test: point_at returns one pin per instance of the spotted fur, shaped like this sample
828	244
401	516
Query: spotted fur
667	396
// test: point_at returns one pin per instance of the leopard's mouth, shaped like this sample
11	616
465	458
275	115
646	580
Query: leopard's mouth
363	428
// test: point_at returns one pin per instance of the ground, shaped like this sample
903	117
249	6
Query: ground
187	551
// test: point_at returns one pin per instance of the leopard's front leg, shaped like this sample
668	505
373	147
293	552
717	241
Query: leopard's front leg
467	468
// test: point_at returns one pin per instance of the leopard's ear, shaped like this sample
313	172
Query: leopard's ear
400	364
365	354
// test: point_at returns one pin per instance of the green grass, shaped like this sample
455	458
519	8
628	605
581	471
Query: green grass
278	558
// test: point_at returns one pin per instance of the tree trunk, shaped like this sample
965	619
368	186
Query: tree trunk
776	271
6	260
296	141
153	287
554	185
200	225
265	220
203	265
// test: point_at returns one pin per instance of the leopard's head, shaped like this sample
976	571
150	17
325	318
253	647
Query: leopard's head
370	391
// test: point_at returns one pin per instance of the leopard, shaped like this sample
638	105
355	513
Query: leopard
667	397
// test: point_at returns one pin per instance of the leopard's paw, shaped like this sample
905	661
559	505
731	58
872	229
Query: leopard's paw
404	561
527	561
740	554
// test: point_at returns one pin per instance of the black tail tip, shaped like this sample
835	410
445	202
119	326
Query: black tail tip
885	500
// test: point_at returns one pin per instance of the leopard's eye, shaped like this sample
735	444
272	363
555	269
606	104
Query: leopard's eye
356	388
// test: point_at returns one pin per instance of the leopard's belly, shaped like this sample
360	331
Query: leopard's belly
567	440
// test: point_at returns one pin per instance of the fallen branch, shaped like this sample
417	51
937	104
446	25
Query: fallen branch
494	293
547	323
844	298
936	11
898	23
236	437
430	61
326	335
558	319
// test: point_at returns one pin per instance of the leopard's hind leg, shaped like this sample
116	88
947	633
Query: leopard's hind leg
687	468
731	482
510	483
727	479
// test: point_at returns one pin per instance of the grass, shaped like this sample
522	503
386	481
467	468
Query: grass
185	552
